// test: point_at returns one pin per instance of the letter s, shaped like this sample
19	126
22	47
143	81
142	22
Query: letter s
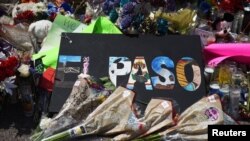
244	133
169	78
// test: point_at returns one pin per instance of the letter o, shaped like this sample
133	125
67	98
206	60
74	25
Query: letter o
181	74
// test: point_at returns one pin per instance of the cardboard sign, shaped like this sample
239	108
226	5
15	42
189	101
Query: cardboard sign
151	66
50	47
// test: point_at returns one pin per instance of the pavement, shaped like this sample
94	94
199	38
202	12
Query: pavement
14	125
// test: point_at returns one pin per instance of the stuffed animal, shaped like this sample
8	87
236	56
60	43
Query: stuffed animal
222	28
40	29
34	7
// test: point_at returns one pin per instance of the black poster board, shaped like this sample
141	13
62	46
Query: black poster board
168	66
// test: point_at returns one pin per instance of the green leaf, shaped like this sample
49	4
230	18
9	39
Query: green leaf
104	79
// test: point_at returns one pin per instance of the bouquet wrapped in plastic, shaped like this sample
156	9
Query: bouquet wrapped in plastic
110	117
193	122
18	36
158	114
115	117
85	96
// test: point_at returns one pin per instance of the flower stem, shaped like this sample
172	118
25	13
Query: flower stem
58	137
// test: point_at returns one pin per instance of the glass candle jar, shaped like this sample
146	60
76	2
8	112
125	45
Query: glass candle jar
234	102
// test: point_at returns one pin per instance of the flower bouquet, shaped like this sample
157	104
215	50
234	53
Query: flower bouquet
8	66
193	122
85	96
115	117
110	117
158	114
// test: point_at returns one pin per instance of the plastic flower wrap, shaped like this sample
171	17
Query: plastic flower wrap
17	36
110	117
193	122
85	96
116	116
158	114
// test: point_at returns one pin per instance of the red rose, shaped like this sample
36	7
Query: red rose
2	64
7	67
12	62
26	16
9	72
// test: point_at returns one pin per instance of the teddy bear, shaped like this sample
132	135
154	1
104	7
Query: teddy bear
34	7
40	29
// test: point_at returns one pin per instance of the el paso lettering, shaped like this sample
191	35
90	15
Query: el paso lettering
138	71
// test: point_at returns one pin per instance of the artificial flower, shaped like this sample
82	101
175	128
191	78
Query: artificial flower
27	16
8	67
8	84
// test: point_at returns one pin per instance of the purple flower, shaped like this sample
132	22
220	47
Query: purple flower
128	8
126	21
106	7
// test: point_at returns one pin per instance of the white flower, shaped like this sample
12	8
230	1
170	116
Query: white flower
7	85
2	56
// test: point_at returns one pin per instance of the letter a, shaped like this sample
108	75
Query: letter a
139	64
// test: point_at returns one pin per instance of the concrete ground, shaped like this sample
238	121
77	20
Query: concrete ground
14	126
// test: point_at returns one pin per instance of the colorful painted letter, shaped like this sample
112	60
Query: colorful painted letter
139	64
180	71
169	78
